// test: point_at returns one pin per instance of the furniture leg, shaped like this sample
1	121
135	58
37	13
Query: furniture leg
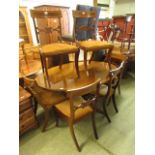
85	59
73	135
92	56
105	112
114	102
94	125
56	118
35	105
61	61
76	63
119	89
45	119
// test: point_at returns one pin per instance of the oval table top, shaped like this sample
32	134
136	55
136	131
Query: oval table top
65	78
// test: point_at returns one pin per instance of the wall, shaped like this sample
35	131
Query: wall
123	7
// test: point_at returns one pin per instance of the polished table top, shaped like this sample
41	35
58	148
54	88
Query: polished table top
65	78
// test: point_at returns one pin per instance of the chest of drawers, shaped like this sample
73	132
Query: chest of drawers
27	119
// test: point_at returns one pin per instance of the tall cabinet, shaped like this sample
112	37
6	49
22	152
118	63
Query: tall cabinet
44	38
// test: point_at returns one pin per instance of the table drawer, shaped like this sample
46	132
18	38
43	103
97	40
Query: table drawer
25	105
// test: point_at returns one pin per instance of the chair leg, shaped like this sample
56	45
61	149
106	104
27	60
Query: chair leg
76	63
45	119
73	136
114	102
56	118
94	125
105	112
92	56
119	89
85	60
35	106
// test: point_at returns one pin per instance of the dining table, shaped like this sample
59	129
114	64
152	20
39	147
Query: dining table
65	78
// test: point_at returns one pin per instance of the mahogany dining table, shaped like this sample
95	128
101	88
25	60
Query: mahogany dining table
65	78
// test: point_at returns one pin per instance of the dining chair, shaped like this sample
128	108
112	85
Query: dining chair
107	90
56	50
79	21
76	108
91	44
47	98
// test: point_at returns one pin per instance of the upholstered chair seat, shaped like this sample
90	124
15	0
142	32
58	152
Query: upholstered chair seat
79	113
58	48
94	45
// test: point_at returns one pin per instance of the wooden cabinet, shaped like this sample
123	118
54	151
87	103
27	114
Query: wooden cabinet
24	26
44	38
27	119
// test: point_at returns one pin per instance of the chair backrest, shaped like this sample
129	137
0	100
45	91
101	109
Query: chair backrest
86	35
84	24
74	93
42	95
115	75
47	23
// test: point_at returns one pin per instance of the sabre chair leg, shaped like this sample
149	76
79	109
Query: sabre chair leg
114	103
73	136
85	60
61	61
92	56
35	105
105	112
119	89
94	125
56	118
45	119
76	63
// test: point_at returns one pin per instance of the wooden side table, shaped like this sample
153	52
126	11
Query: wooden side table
27	118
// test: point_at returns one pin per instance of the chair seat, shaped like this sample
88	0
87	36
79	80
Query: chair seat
58	48
94	45
64	108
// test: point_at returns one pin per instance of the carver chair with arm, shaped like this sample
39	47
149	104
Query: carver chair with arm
45	97
108	90
76	108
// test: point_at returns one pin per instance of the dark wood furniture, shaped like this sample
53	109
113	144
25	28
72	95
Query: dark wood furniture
64	23
46	98
27	119
53	49
91	44
108	89
76	108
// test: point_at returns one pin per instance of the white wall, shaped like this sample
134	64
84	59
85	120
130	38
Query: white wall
123	7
